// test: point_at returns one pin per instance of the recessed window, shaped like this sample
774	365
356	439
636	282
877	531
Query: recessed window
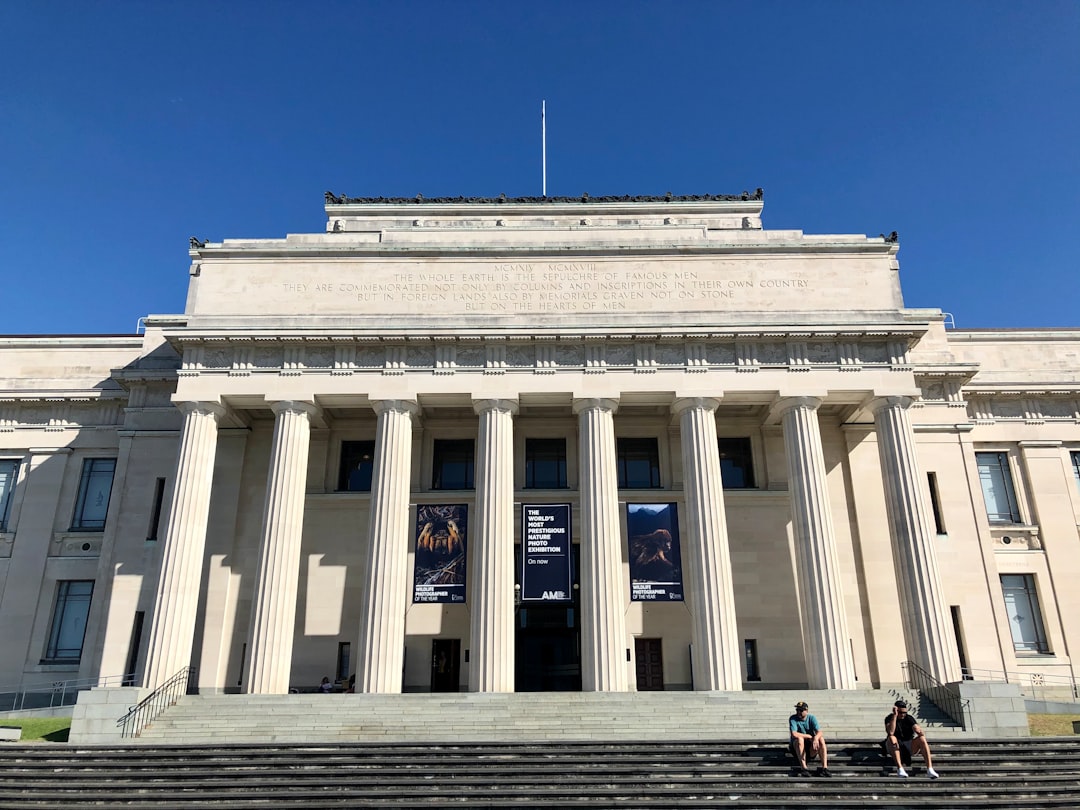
155	511
545	463
638	462
1025	618
357	462
1076	466
8	468
95	489
997	487
69	621
453	461
736	463
935	503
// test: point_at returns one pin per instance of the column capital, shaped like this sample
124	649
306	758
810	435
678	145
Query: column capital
204	407
504	404
408	406
785	404
682	404
595	403
296	406
875	404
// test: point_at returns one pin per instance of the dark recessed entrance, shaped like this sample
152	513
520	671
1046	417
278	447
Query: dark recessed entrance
548	641
445	664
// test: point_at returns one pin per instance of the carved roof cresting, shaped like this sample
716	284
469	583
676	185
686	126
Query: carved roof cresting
343	199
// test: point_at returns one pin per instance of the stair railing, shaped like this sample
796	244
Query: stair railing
1034	685
144	713
54	694
945	697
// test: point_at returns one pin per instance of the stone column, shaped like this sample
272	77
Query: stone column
173	625
709	589
381	647
826	644
923	611
491	553
603	578
273	609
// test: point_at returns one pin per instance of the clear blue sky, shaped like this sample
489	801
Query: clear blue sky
126	127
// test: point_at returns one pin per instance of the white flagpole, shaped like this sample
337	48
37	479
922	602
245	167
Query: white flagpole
543	142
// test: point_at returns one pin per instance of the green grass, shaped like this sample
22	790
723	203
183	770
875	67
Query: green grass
1051	725
41	729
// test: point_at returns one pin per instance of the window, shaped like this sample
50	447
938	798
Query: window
155	512
95	488
545	463
8	468
452	461
1076	466
638	463
69	621
935	503
357	462
997	487
736	463
1025	618
344	651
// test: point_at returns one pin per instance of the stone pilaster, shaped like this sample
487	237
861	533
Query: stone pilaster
273	610
381	652
826	644
923	610
491	552
709	587
173	625
603	578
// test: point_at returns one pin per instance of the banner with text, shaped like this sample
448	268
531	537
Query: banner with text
439	563
655	556
545	553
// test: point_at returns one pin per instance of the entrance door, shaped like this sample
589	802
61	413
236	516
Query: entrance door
650	665
445	664
548	641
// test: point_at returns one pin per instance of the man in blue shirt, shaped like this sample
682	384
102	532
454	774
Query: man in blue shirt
807	741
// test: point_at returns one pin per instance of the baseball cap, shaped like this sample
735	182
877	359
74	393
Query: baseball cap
900	704
801	705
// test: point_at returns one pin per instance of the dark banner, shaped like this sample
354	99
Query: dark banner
545	553
655	557
441	540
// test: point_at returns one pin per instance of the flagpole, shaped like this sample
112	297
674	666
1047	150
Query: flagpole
543	143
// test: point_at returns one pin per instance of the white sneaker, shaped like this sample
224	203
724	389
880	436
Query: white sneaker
901	773
931	773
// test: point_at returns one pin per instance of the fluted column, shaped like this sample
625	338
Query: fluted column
382	622
172	630
491	554
929	639
603	579
709	588
273	611
826	645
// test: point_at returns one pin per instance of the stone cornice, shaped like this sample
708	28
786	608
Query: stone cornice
342	199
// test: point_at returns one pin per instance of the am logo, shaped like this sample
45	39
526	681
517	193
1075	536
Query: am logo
554	595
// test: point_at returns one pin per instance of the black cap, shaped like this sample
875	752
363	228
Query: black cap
801	705
900	704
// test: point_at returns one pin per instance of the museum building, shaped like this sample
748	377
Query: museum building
540	444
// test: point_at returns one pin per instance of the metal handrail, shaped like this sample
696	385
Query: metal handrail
945	697
53	694
150	708
1032	684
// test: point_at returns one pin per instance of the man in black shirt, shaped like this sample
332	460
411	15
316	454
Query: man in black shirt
904	732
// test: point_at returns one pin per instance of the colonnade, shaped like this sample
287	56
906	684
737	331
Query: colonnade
708	572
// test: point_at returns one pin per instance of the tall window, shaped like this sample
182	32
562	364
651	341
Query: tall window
1025	618
545	463
736	463
69	621
8	468
453	461
1076	466
638	462
357	461
95	488
997	487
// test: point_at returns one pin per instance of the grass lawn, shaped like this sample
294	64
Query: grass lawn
41	729
1051	725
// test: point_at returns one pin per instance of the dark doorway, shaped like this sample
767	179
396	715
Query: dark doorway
650	665
445	664
548	641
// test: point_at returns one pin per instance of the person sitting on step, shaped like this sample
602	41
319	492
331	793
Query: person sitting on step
905	736
807	740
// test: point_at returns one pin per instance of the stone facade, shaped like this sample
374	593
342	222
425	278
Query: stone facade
182	496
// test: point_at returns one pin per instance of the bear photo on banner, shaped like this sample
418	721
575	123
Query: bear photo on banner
655	556
439	562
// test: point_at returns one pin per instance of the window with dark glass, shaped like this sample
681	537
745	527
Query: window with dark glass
8	468
452	464
736	463
357	459
545	463
69	621
638	463
997	487
1025	617
1076	466
95	489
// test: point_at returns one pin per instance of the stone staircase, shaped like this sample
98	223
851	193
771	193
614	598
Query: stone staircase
976	773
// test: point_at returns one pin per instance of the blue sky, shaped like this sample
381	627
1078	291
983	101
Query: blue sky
126	127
